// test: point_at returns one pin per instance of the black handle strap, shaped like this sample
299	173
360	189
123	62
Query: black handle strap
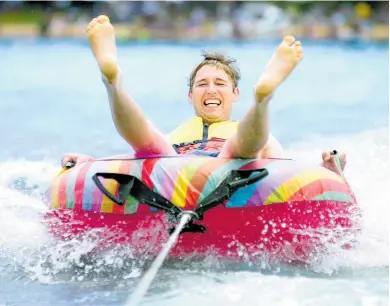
130	185
233	181
241	178
125	184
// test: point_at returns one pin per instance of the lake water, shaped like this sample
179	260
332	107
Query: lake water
53	101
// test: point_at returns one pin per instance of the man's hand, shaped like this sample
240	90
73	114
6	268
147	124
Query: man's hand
75	158
328	160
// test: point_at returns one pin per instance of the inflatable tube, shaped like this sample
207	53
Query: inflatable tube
275	206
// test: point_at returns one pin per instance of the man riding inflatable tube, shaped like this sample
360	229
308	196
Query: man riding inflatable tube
213	88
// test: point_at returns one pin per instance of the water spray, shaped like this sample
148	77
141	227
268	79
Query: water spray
147	279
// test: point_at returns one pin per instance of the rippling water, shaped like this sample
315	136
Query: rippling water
52	101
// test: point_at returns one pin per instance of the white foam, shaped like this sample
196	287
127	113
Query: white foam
367	172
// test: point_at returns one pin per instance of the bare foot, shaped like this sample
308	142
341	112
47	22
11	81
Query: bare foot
288	54
101	36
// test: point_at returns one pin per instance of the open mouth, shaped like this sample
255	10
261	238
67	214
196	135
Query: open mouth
212	102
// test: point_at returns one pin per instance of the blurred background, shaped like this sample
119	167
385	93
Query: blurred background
200	20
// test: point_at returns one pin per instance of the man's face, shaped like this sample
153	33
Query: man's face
212	94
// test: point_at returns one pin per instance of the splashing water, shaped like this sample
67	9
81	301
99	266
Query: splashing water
27	251
147	279
36	269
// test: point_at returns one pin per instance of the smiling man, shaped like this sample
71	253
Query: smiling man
213	88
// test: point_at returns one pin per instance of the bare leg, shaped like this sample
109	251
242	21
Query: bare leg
253	130
128	117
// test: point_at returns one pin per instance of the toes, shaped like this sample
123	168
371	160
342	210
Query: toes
92	24
288	40
299	50
103	19
298	46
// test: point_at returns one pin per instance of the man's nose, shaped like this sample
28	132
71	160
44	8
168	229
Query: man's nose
211	88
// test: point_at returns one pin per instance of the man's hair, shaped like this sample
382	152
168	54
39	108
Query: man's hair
228	64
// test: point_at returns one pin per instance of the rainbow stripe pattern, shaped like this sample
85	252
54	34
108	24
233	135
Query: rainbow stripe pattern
187	180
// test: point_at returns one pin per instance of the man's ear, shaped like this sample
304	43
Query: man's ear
190	96
236	92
